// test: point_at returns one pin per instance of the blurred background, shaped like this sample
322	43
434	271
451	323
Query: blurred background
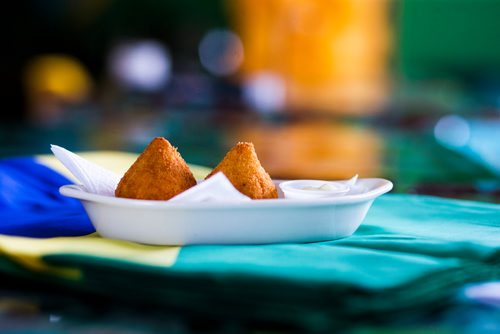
408	90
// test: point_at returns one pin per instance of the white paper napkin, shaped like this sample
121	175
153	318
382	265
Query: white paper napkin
217	188
94	178
100	181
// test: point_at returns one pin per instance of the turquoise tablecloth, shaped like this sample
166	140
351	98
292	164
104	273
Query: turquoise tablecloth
409	257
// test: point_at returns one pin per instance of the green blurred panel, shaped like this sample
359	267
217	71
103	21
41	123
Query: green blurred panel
458	38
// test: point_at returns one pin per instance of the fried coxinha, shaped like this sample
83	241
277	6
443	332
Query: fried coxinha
242	167
160	173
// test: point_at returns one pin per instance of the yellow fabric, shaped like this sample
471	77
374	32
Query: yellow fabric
28	252
118	162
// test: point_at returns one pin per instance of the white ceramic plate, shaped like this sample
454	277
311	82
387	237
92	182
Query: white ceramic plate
253	222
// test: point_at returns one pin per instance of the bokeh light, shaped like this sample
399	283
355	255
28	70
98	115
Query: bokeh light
142	65
54	84
59	75
487	293
221	52
452	131
265	92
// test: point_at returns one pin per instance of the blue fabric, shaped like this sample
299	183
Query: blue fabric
30	203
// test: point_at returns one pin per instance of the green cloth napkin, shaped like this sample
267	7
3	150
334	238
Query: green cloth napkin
409	256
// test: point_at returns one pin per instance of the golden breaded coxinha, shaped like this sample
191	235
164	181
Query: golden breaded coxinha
159	173
242	167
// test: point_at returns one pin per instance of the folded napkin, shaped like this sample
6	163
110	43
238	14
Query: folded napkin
93	177
409	257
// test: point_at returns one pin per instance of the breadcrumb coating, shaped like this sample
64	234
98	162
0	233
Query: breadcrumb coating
242	167
159	173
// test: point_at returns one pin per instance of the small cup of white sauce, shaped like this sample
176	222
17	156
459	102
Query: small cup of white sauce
307	189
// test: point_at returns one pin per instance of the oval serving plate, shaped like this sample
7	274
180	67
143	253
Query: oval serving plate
253	222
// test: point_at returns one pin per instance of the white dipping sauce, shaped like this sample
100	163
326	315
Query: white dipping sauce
305	189
324	187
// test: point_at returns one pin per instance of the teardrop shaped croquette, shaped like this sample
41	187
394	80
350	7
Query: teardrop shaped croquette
159	173
242	167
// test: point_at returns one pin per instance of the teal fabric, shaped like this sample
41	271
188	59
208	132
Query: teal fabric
410	256
402	239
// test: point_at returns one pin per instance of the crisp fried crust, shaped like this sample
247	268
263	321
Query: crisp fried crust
242	167
159	173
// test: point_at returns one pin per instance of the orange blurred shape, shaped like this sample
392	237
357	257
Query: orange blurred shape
332	54
52	83
58	75
314	149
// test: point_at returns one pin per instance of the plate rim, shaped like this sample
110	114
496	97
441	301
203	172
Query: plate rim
76	191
